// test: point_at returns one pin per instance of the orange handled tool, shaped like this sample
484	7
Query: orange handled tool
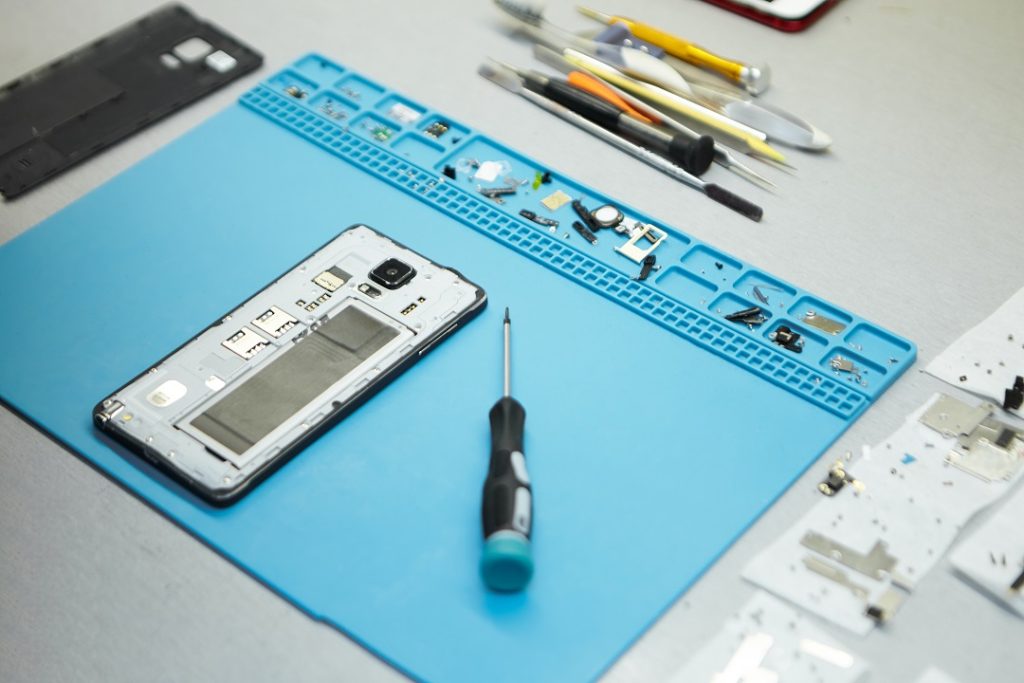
597	88
754	79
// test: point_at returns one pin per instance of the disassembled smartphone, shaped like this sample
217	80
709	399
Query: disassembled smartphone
252	389
785	15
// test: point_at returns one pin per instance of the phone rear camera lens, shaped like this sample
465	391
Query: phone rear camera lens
392	273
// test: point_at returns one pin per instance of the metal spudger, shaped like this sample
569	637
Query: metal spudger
507	511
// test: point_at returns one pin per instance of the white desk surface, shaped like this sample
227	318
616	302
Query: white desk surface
911	221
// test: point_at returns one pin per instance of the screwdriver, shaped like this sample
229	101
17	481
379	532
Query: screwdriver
507	561
694	156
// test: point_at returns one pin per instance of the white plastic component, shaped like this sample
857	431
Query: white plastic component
913	500
221	61
192	50
167	393
992	558
767	640
489	171
989	356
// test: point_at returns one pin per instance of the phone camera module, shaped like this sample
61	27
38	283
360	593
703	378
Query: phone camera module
392	273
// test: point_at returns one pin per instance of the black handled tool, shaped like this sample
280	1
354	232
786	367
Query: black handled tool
694	156
507	561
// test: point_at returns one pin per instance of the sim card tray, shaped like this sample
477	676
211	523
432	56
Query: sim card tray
631	251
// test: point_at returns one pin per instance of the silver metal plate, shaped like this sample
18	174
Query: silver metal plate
951	417
876	564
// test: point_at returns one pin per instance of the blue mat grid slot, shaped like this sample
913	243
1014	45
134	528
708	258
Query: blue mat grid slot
668	312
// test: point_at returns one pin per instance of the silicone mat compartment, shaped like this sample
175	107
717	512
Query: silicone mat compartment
333	106
359	89
294	86
319	69
400	110
418	149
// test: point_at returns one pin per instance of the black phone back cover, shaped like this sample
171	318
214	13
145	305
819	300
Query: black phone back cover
68	110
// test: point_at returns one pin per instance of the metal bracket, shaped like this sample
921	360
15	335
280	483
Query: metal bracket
631	251
986	448
875	565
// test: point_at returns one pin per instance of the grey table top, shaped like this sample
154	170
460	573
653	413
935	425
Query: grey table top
909	221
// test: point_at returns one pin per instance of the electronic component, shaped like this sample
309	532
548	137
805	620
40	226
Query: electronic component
787	339
295	91
403	113
556	200
449	171
369	290
541	178
436	129
826	325
1013	398
412	307
751	317
496	193
378	131
584	213
649	264
275	322
540	220
584	232
245	343
642	231
606	216
332	279
837	478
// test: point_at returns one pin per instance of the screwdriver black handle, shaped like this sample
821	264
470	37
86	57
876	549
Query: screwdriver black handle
693	155
507	511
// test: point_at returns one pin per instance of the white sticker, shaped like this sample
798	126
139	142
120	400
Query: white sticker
167	393
489	171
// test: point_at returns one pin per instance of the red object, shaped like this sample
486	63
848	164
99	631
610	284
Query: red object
788	25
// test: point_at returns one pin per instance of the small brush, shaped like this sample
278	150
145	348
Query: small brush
512	82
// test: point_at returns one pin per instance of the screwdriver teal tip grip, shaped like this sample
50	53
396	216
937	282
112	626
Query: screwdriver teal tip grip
506	564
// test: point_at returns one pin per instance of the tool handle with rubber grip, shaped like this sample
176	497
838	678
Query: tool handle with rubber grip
584	104
507	500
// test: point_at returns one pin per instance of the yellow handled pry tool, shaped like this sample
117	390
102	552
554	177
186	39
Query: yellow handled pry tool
755	79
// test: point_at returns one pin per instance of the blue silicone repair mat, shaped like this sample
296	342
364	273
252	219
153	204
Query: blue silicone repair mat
656	431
